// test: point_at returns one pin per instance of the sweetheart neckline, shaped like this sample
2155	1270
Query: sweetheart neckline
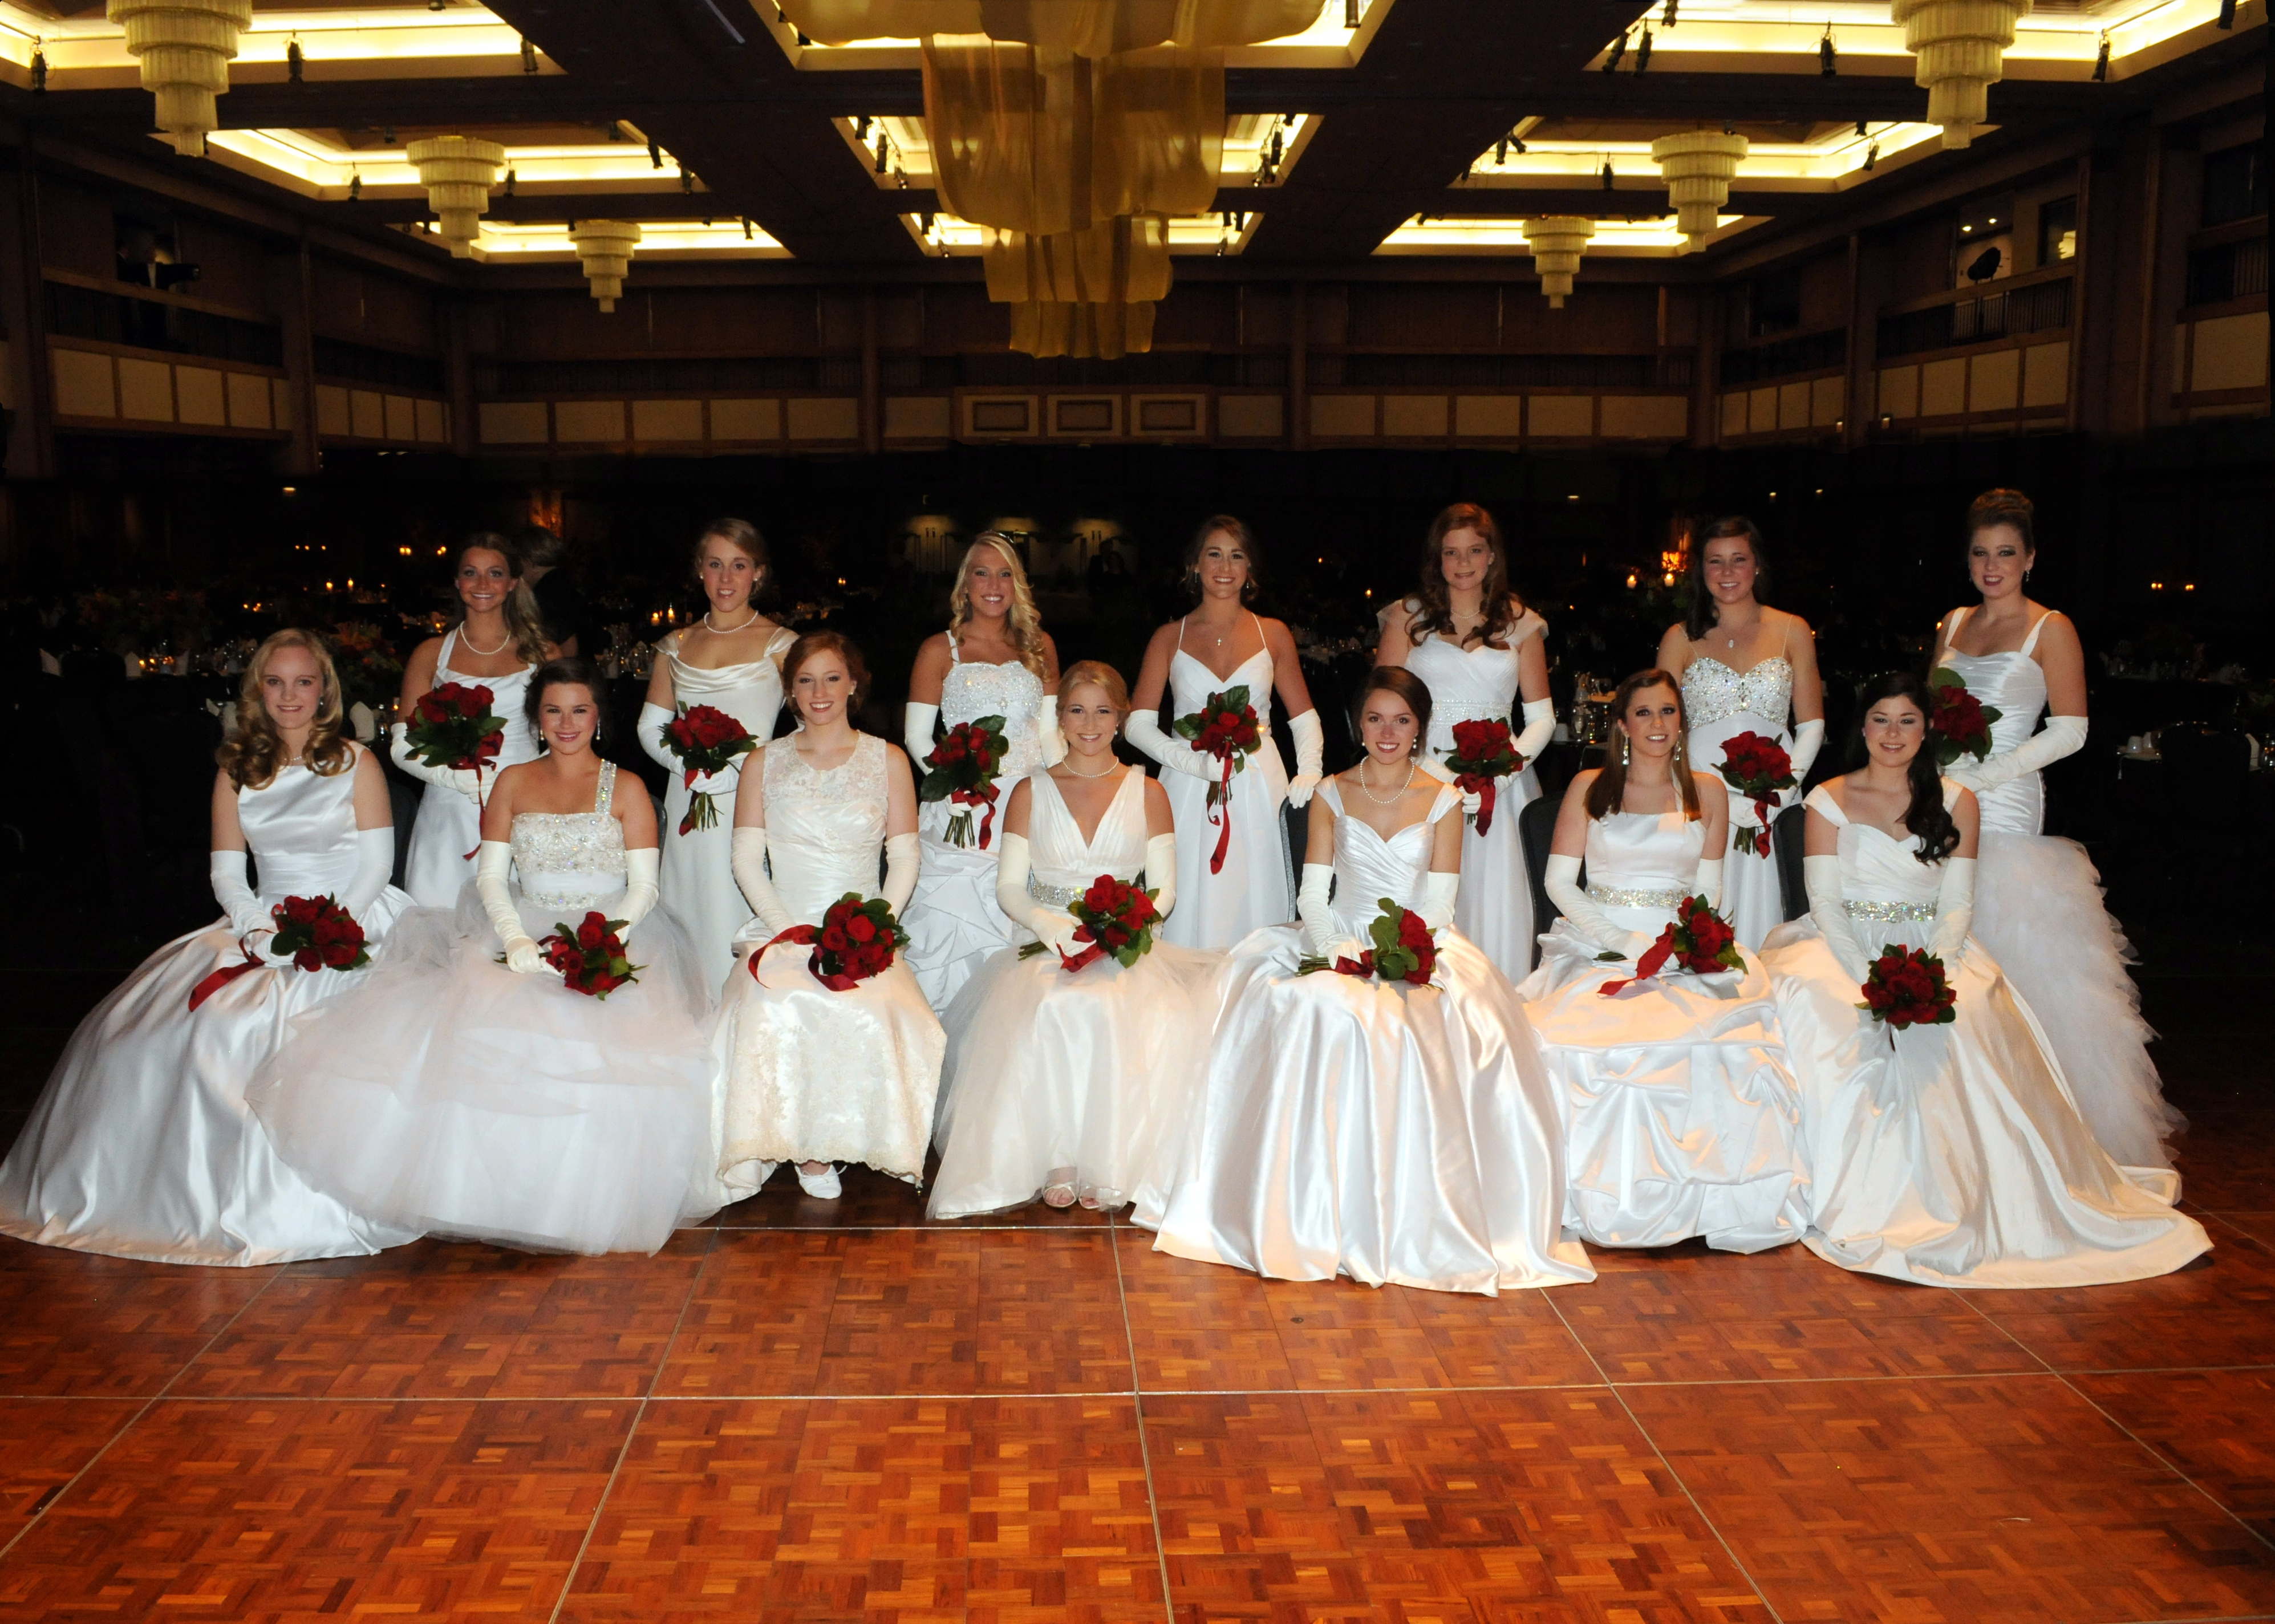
1750	670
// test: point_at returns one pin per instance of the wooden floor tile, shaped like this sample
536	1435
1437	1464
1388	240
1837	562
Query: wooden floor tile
874	1200
72	1323
2226	1159
2003	1497
2259	1225
2219	1310
418	1511
2217	1426
44	1443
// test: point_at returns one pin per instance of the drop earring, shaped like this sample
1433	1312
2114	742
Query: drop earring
1627	749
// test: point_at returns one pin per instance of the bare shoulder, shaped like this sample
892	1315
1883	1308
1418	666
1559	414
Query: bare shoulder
1790	624
1581	780
1277	635
1709	784
1157	798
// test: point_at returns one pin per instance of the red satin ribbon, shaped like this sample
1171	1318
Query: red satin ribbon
1363	965
1220	814
804	933
480	807
980	798
1482	788
1654	961
223	976
1759	845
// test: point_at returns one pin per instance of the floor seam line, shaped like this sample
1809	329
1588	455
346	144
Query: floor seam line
1145	1444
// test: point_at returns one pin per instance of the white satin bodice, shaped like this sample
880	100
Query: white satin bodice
507	694
1368	868
825	828
1714	693
300	828
571	859
1645	851
972	689
1060	856
750	692
1875	865
2015	685
1470	685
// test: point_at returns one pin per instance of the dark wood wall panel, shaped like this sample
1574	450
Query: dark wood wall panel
1399	315
76	229
365	307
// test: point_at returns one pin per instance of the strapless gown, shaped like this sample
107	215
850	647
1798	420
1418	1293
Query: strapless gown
448	829
1721	704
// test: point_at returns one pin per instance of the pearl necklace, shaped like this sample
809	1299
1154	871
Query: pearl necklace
468	643
722	632
1382	800
1079	772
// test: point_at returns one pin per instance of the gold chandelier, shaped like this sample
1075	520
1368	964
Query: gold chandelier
1557	242
457	173
1961	46
184	49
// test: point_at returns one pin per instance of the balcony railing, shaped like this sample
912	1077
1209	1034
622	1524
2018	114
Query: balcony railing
2037	307
1783	357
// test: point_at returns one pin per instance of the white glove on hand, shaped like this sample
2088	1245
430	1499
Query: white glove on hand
1047	737
1439	892
901	865
1311	753
1144	730
1312	906
1808	739
1828	908
253	924
1161	872
654	719
2062	736
1539	729
916	733
375	867
522	955
1708	883
1053	927
748	862
466	781
1954	912
1562	884
640	891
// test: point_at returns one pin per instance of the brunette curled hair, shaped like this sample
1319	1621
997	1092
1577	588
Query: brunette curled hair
252	758
1608	793
1242	537
1927	816
1432	609
1703	615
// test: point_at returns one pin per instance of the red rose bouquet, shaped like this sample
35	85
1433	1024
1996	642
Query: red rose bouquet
1907	988
1756	768
1482	753
1405	949
1699	940
855	939
1115	919
315	932
451	727
590	957
1961	723
707	740
1226	727
962	770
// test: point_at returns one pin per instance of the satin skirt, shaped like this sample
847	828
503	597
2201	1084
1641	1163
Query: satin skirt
698	874
953	922
1086	1078
1256	886
143	1147
444	838
1954	1155
455	1097
1391	1134
1494	908
1683	1118
1751	900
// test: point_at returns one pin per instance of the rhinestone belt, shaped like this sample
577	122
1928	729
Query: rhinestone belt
1618	896
1055	896
1890	911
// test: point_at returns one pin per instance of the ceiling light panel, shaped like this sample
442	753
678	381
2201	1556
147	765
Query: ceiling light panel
1632	239
1327	43
1832	161
504	243
1189	236
89	53
303	162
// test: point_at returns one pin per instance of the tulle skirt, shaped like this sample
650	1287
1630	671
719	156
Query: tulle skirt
1256	886
1392	1134
142	1145
1683	1119
953	923
1953	1155
453	1096
1494	906
1084	1078
698	877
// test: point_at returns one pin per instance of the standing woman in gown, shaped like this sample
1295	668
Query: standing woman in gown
1388	1132
1222	644
993	660
499	639
1473	641
1946	1155
808	1075
731	661
142	1145
1744	667
2040	910
1681	1116
465	1091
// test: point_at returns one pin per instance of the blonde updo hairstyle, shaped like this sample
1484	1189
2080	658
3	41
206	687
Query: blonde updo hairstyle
1022	627
1095	674
252	758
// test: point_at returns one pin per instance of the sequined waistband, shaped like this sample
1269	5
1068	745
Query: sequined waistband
1056	897
565	899
1620	896
1451	711
1889	912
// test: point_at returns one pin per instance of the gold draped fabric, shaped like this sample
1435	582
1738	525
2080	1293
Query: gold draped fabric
1087	27
1089	293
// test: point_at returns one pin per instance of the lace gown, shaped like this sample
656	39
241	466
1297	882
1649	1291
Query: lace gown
1950	1155
456	1096
1721	704
1086	1076
808	1074
1682	1117
952	920
449	826
698	880
1390	1133
1256	886
1477	684
2038	907
141	1145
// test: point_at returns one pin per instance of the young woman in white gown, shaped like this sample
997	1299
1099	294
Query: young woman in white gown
2039	909
1682	1115
1388	1132
1221	645
731	661
808	1075
461	1096
141	1145
993	660
1073	1087
498	641
1744	667
1479	649
1948	1155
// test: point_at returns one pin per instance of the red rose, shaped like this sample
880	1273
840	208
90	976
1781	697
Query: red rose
861	928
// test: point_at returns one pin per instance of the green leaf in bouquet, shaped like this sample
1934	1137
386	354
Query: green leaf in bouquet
1944	677
1235	697
1610	957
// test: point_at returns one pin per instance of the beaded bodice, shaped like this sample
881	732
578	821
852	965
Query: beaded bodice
569	859
825	827
1713	692
972	689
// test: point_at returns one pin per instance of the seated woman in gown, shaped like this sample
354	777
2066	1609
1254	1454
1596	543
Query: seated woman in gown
1951	1155
1681	1116
142	1146
1354	1126
467	1091
1070	1087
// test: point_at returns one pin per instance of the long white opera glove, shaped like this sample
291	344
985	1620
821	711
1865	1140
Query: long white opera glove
1562	884
246	917
1143	730
1708	883
1828	908
1311	907
901	864
641	867
1539	728
1161	872
1808	739
748	861
1954	912
1053	927
1047	738
1439	892
916	732
2062	736
375	867
521	955
465	781
1311	755
653	721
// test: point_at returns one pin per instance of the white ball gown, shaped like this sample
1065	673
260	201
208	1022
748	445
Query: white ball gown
1389	1133
1093	1071
809	1074
697	881
1682	1117
1478	684
2038	907
1720	704
142	1145
1950	1155
448	829
453	1096
952	920
1256	886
